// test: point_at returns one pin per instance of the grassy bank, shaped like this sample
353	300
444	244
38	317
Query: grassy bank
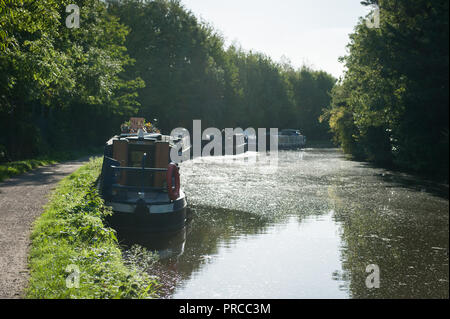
71	236
10	169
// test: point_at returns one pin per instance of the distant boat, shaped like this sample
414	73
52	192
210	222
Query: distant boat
291	139
141	184
286	139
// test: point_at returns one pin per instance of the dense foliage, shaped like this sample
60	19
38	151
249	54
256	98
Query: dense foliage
64	88
189	75
68	88
60	88
391	107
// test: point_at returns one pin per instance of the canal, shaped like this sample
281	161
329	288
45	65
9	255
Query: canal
306	226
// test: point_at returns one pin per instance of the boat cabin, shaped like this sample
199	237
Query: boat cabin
141	184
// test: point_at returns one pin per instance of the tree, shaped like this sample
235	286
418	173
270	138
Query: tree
56	82
396	87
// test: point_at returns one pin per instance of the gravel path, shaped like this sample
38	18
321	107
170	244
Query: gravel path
21	201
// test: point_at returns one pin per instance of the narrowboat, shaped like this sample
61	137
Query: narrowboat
141	184
291	139
286	139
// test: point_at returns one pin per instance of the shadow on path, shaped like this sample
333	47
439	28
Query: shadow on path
21	201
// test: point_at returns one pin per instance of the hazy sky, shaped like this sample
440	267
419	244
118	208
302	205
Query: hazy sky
312	32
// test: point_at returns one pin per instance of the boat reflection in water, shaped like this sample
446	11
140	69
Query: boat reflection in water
166	244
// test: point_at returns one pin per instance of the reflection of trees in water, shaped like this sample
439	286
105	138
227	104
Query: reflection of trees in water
211	227
410	247
197	243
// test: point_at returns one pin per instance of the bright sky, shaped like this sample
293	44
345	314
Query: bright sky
312	32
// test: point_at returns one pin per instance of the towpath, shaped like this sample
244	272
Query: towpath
21	201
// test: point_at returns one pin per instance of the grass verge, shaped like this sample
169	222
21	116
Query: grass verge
71	236
10	169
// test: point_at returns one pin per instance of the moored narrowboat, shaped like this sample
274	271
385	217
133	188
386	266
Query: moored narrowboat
141	184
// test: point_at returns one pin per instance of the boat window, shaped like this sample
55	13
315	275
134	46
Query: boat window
136	158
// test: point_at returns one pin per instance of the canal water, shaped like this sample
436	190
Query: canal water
306	226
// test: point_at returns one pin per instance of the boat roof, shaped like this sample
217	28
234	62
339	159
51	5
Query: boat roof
147	137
